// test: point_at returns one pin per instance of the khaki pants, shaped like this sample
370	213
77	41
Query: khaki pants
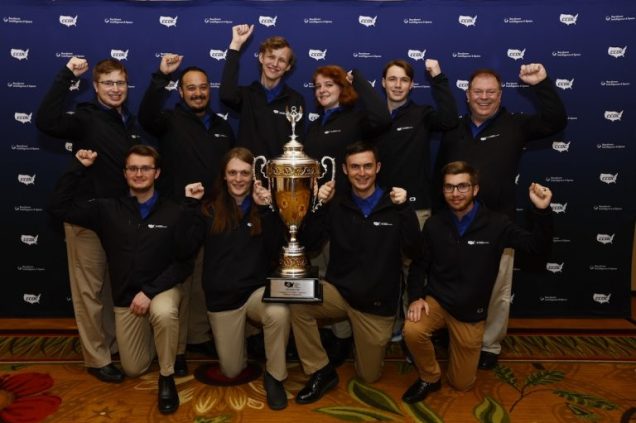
91	294
228	329
464	346
499	306
371	334
194	327
158	330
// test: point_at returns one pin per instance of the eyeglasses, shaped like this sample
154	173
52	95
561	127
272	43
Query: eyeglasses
243	173
111	84
142	169
463	187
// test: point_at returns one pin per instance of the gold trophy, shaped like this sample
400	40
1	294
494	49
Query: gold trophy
292	178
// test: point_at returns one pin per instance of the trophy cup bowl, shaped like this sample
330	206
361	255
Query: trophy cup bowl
292	178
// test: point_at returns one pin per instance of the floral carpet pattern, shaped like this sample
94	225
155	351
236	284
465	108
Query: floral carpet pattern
539	379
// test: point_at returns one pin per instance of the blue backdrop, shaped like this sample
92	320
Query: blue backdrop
585	46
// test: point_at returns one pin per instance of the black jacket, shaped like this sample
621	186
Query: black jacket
189	151
405	149
366	121
365	254
142	253
497	150
94	127
462	269
235	263
263	127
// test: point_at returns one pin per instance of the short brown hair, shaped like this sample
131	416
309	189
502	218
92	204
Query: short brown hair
408	69
484	71
144	150
361	147
458	167
348	96
274	43
108	66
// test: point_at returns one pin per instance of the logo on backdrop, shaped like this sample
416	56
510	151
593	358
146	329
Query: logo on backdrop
367	20
313	116
610	146
213	21
27	209
517	179
605	238
416	21
23	117
416	54
565	53
606	208
516	54
16	20
465	55
554	267
68	21
467	20
68	146
561	146
364	55
168	21
311	21
267	20
568	19
462	84
117	21
20	54
608	178
613	116
32	298
515	20
564	84
601	298
24	147
26	179
552	299
617	52
317	54
19	84
119	54
558	208
602	268
30	268
218	54
619	18
29	239
74	85
611	83
558	179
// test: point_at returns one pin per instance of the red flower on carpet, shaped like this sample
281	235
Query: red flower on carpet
22	398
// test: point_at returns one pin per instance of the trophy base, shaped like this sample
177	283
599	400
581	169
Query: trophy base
293	289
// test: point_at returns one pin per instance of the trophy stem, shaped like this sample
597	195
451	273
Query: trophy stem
293	261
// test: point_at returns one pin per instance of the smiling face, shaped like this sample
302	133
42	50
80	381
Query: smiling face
397	84
140	173
458	202
238	177
327	92
361	170
484	97
195	91
274	63
112	89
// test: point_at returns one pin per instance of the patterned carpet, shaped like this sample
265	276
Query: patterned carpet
539	379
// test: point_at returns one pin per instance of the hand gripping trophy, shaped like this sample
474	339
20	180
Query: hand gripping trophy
292	178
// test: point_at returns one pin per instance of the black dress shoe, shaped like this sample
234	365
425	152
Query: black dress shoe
419	390
487	360
319	383
276	395
180	365
168	401
109	373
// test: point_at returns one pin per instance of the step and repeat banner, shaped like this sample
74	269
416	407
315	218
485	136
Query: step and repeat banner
586	46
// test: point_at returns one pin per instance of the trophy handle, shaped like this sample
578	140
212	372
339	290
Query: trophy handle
263	173
318	203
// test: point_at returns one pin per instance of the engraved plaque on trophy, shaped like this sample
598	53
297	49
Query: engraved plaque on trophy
292	178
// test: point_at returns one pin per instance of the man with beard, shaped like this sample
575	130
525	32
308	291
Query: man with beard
462	247
193	140
138	232
263	127
492	140
105	126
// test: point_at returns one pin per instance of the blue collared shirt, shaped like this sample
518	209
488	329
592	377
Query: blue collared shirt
145	207
328	113
246	205
395	111
273	93
476	130
468	218
367	205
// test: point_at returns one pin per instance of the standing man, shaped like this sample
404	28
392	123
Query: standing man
138	234
263	126
492	139
106	127
368	230
462	249
405	148
193	141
